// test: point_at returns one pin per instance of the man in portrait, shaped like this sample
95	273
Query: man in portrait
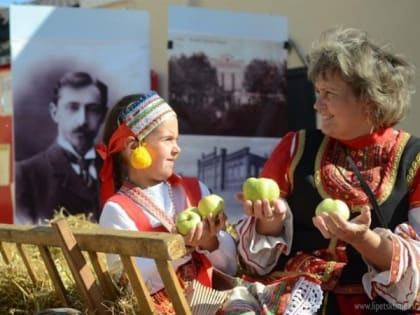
66	174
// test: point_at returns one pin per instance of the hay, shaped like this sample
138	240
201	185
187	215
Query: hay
19	295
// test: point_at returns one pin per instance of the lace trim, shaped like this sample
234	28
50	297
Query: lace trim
306	298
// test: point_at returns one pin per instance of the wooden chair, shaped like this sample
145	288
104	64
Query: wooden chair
95	284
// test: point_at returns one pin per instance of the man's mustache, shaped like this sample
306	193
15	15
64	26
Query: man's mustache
82	129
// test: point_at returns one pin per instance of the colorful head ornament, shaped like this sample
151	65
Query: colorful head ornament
138	119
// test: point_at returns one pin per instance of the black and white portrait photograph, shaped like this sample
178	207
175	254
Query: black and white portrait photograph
65	77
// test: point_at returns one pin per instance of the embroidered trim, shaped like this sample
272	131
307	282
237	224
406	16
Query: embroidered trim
300	138
348	188
412	171
329	268
389	185
147	204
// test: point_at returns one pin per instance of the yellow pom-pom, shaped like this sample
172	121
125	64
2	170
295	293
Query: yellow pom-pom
140	158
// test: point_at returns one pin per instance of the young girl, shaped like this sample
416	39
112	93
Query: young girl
139	151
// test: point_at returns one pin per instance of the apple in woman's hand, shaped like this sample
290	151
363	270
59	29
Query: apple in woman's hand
187	219
330	205
260	188
210	204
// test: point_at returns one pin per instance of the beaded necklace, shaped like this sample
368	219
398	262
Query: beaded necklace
147	204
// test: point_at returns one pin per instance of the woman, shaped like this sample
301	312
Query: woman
371	263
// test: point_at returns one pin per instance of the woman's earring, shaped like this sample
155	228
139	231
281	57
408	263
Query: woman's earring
140	158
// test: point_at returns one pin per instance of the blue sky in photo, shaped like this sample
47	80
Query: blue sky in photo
8	2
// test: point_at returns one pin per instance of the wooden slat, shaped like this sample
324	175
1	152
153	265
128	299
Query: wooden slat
80	269
28	234
155	245
138	285
5	253
54	274
163	247
172	286
104	277
27	263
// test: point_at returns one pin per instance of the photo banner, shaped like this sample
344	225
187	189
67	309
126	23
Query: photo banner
111	46
227	83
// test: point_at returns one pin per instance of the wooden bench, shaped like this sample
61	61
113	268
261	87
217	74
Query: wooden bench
95	284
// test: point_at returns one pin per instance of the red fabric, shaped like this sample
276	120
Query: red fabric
351	304
193	193
192	189
154	81
136	214
116	144
205	270
6	202
279	163
6	214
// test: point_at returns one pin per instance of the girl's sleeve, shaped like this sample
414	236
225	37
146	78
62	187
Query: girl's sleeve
224	258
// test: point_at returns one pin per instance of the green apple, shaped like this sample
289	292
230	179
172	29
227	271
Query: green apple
260	188
330	205
210	204
187	219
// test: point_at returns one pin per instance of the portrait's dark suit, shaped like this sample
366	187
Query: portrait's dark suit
47	182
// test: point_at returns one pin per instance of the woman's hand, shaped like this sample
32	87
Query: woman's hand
332	225
270	215
204	234
376	249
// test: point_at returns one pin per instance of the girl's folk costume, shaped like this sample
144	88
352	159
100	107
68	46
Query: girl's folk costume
308	167
155	208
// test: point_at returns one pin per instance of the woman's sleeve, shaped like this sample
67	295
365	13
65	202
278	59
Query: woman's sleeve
400	285
278	165
259	253
114	217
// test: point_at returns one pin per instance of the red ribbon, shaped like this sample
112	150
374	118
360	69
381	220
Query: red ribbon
205	271
115	144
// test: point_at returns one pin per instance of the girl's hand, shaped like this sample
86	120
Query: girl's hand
332	225
204	234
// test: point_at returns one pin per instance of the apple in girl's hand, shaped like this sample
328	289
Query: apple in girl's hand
210	204
187	219
330	205
260	188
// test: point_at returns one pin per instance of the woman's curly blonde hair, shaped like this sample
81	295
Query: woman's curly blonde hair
374	72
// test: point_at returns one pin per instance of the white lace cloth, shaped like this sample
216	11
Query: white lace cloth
255	298
306	298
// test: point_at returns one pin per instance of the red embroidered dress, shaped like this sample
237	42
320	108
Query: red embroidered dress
136	203
309	167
